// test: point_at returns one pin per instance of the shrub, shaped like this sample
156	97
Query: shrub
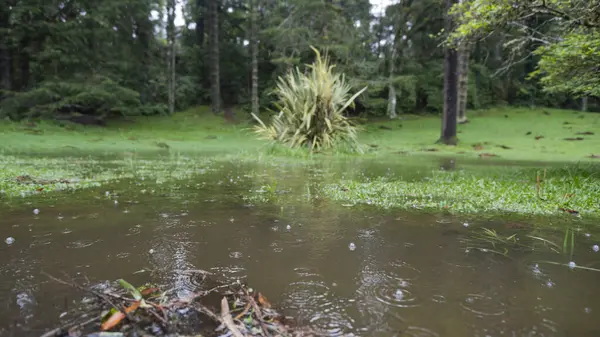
311	107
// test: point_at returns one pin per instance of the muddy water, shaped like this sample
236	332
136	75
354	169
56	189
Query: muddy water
346	271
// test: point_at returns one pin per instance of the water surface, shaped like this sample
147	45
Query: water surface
352	271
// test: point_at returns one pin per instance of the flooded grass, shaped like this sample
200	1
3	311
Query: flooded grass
573	190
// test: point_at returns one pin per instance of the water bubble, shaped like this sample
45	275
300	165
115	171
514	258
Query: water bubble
399	295
36	211
9	240
466	224
572	265
595	248
352	246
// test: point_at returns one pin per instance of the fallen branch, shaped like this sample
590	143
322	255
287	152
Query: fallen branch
227	320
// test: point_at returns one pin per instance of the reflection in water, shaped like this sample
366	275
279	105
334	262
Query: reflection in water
344	271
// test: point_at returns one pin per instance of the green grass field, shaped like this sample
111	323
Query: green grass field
49	157
491	131
505	133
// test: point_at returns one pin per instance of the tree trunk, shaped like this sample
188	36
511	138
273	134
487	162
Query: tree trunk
254	45
584	104
5	59
200	15
215	86
171	53
463	81
448	135
391	88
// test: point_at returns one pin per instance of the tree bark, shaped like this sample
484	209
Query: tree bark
584	104
200	15
254	45
463	82
5	59
392	100
448	135
171	53
215	86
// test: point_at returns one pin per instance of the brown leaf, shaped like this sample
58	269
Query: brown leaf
117	317
483	155
570	211
595	156
505	147
589	133
538	137
149	291
576	138
262	300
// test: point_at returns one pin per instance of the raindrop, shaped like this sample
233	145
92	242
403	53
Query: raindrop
595	248
572	265
9	240
36	211
352	246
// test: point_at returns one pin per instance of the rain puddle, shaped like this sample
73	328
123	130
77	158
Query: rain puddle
352	271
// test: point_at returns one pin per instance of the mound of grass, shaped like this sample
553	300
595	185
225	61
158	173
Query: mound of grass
573	190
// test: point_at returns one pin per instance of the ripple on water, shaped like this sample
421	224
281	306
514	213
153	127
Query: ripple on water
312	298
482	305
414	331
81	244
230	273
387	289
402	271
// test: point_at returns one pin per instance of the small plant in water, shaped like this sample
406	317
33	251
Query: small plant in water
311	108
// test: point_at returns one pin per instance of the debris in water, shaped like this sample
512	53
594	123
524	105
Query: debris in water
288	227
36	211
352	246
151	251
107	193
9	240
466	224
572	265
116	202
213	309
595	248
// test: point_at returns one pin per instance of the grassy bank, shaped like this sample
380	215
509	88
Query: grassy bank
45	156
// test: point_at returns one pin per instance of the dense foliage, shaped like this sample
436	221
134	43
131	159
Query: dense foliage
128	57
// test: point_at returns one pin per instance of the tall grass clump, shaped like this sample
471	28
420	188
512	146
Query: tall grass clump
311	107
